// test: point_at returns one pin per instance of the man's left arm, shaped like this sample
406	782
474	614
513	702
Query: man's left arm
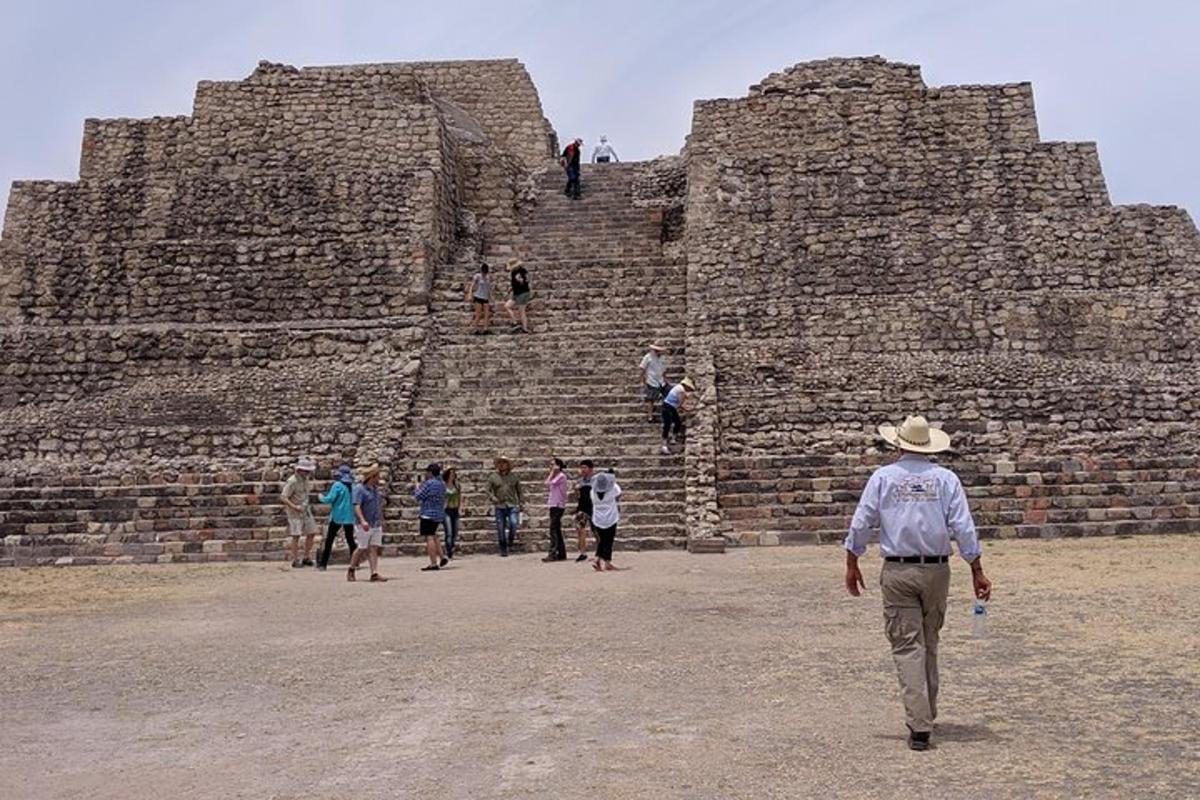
962	528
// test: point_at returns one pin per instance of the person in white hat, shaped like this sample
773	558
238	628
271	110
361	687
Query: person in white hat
296	495
918	507
604	153
674	404
654	379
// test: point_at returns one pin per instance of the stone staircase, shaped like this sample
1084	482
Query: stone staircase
603	292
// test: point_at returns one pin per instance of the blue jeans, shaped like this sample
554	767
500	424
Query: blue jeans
451	526
572	181
507	517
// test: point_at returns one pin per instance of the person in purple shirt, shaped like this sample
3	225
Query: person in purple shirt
918	507
431	494
556	502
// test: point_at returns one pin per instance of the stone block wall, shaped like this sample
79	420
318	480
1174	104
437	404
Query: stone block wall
861	247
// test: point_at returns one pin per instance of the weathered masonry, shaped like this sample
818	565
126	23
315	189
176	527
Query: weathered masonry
281	273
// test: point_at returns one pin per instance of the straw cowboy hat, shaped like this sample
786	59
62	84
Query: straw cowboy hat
370	472
513	263
688	384
916	436
306	464
658	348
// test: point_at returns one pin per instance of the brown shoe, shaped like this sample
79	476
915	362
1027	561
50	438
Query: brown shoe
377	578
350	576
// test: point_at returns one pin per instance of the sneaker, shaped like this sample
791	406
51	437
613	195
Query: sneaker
581	557
297	564
377	578
445	561
666	451
430	568
918	741
308	562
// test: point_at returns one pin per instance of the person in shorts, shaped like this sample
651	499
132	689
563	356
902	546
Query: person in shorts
654	377
368	510
583	508
296	495
431	494
518	303
479	298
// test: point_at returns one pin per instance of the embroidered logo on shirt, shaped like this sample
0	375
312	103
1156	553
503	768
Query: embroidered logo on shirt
916	490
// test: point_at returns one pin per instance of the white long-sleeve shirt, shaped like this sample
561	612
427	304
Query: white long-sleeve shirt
604	149
919	507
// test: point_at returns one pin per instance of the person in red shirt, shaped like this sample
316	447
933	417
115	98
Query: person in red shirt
570	162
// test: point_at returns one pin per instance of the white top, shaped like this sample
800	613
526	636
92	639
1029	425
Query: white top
676	395
655	369
605	512
919	507
604	149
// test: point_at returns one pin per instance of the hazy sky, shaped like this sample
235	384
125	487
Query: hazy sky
1123	74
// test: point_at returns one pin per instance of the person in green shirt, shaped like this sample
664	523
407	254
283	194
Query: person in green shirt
504	491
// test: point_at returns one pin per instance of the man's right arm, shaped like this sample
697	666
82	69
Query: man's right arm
866	518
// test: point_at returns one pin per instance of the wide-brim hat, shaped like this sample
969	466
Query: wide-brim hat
916	435
306	464
658	348
502	460
513	263
371	472
688	384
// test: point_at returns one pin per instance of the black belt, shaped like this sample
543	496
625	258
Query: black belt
918	559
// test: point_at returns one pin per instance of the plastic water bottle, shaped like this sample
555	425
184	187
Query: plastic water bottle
979	617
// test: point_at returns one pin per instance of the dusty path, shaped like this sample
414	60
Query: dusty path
749	675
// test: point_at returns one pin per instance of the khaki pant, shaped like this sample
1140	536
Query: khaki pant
914	607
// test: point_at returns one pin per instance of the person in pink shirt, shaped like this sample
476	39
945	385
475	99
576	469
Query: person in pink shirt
556	490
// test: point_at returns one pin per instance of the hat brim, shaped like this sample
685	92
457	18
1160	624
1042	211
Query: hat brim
657	347
939	440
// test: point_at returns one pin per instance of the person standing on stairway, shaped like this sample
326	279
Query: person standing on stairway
454	508
368	502
341	514
583	508
606	513
504	491
431	494
604	152
919	508
570	163
654	379
296	496
673	407
521	295
479	298
556	502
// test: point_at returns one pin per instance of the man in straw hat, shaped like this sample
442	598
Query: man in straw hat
674	404
654	378
297	496
919	507
504	490
368	509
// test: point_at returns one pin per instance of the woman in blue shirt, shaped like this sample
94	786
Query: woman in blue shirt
341	514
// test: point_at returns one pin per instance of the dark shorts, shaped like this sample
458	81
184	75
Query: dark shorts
523	298
479	301
602	159
429	527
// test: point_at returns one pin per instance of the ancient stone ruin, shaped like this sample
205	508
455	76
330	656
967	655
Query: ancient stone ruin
281	273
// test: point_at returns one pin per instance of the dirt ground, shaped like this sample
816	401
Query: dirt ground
747	675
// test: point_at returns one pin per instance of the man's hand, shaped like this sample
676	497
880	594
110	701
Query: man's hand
854	578
983	587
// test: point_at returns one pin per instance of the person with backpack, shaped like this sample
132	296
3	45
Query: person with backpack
570	162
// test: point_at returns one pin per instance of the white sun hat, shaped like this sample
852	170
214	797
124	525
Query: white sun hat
916	435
